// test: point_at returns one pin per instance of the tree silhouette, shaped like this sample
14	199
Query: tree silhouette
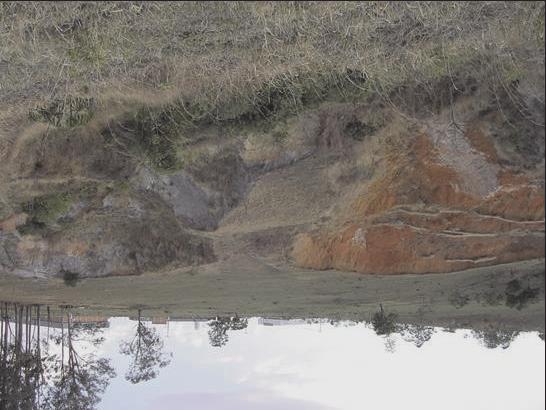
384	323
390	343
31	378
146	350
494	338
21	361
78	380
219	327
416	334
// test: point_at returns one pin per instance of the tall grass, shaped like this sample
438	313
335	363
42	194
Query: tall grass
230	59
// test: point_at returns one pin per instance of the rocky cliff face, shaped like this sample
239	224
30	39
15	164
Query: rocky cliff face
353	187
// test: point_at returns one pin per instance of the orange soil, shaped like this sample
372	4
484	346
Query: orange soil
417	219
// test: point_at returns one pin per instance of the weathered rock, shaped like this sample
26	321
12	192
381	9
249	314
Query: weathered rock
444	205
436	196
129	235
190	202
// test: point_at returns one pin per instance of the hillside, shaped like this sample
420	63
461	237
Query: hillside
380	138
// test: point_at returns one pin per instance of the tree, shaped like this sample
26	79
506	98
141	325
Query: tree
78	381
494	338
146	349
219	327
21	366
384	323
416	334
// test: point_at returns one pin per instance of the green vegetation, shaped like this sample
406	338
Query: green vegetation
155	134
43	211
384	323
219	327
493	338
358	130
47	210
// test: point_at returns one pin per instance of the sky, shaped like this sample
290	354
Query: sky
321	366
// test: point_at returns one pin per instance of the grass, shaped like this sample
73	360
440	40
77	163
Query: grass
70	112
251	292
176	68
155	75
43	211
238	61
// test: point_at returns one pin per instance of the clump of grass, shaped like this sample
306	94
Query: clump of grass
280	136
32	227
69	112
156	136
43	211
151	134
358	130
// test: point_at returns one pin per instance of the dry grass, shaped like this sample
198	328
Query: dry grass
169	70
230	59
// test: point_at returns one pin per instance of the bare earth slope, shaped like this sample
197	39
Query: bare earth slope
330	188
443	205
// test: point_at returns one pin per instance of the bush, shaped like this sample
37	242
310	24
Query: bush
70	278
43	211
384	323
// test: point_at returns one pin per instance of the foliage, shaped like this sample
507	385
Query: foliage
219	327
44	210
493	338
70	278
33	378
416	334
384	323
146	351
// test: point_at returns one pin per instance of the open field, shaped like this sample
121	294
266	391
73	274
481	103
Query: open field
471	298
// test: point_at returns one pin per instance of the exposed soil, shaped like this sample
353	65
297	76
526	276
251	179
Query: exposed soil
343	186
441	206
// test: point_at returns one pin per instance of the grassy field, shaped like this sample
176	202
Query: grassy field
473	298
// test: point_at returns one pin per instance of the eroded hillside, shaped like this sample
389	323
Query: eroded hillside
434	166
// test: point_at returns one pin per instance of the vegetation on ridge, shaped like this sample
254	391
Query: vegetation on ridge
233	59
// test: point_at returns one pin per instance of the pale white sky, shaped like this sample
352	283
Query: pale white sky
319	367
